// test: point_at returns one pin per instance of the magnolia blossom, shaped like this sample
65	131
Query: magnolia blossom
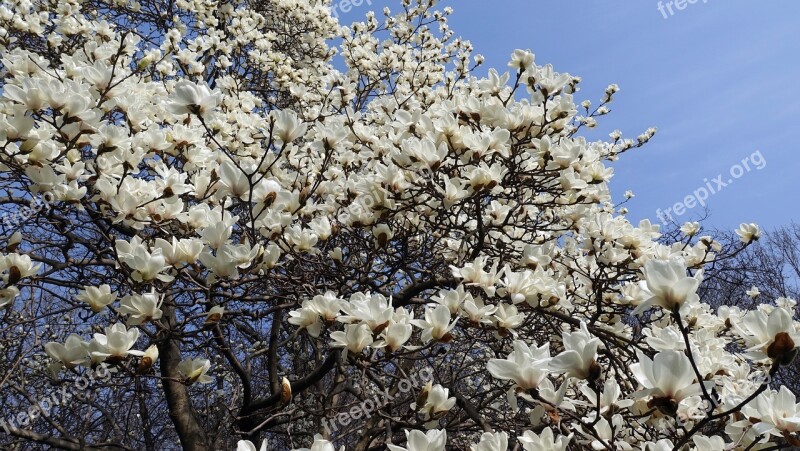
770	335
72	353
774	413
320	444
373	310
141	307
433	440
436	325
146	265
667	285
491	441
116	343
668	377
148	359
748	233
247	445
396	335
544	441
268	190
526	366
15	267
433	401
97	297
7	296
609	396
194	370
288	126
578	358
190	98
354	338
753	292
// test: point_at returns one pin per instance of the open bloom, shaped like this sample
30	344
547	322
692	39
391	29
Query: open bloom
72	353
433	440
141	307
14	267
247	445
436	325
374	310
491	441
578	358
320	444
545	441
777	412
667	285
433	401
97	297
146	265
355	337
194	370
396	335
768	335
748	233
116	343
526	366
191	98
668	378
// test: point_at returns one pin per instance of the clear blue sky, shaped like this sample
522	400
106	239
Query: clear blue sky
720	80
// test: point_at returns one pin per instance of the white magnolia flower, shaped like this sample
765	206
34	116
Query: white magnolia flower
668	377
433	440
436	325
7	296
544	441
491	441
72	353
526	366
141	307
433	401
578	358
396	335
320	444
774	412
116	343
148	359
609	397
191	98
146	265
374	310
667	285
288	126
748	233
690	228
247	445
354	338
97	297
770	335
194	370
15	267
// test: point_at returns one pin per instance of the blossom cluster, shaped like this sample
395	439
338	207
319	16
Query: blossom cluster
229	206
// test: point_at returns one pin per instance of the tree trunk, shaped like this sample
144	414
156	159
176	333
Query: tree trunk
181	411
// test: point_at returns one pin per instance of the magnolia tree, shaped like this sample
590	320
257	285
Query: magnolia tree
234	225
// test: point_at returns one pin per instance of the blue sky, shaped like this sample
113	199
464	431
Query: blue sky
720	80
